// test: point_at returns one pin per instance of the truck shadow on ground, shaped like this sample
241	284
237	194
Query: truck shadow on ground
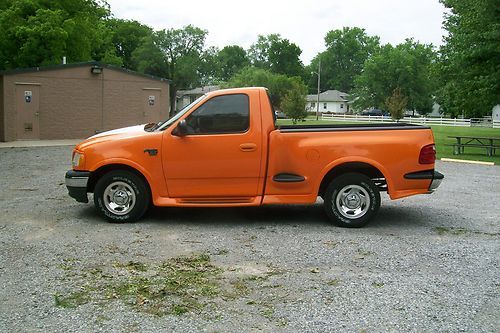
304	215
271	215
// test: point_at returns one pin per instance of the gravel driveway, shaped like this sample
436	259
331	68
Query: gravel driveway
425	264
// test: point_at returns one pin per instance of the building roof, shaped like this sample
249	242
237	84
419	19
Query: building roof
329	96
197	91
80	64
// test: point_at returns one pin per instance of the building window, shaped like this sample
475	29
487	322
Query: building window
221	114
342	105
324	105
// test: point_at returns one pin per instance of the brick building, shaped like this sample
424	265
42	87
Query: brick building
77	100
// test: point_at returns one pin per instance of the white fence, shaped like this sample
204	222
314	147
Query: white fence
413	120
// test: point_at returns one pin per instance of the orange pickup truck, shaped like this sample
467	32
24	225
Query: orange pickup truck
225	150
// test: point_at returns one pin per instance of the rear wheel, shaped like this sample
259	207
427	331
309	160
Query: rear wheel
351	200
121	196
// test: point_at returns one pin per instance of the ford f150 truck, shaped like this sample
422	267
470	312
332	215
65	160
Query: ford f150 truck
225	150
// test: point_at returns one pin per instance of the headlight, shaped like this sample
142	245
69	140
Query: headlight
77	159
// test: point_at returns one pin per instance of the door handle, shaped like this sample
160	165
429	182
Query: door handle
247	147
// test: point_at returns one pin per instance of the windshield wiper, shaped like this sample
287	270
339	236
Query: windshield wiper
152	126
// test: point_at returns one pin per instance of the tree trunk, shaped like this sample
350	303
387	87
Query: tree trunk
173	100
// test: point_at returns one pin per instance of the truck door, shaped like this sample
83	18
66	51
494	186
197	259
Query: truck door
220	156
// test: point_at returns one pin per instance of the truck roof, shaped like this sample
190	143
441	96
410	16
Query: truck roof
234	90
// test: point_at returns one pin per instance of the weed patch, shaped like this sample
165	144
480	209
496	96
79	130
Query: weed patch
364	253
333	282
72	300
461	231
176	286
453	231
377	284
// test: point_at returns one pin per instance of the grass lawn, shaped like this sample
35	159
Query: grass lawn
310	120
441	134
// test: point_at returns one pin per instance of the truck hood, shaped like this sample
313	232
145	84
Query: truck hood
113	135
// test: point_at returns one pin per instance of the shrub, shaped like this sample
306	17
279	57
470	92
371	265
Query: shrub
396	104
294	105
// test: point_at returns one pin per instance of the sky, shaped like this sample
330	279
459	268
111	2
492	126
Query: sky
305	23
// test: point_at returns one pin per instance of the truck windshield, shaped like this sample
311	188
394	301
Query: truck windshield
179	114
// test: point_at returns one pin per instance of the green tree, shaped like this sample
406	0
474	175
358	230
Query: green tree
38	32
278	85
149	59
179	43
259	51
396	104
210	69
346	52
407	66
188	72
182	50
294	105
276	54
231	59
126	37
469	63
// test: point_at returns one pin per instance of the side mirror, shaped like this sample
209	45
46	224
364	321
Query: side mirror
181	129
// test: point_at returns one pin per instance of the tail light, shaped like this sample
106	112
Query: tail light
427	155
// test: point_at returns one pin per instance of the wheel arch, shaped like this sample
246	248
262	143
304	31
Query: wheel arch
104	169
364	168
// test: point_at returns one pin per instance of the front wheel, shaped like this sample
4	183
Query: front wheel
351	200
121	196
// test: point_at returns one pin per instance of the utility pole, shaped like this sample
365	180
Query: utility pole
319	81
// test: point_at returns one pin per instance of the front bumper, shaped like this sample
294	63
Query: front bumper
433	175
76	182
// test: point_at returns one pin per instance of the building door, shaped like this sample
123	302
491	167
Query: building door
152	105
27	111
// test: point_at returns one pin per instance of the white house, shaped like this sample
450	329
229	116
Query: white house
436	110
186	97
495	115
333	101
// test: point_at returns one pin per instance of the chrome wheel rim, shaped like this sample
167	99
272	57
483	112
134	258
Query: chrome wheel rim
353	201
119	198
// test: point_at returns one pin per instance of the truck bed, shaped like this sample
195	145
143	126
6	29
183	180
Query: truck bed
350	127
390	150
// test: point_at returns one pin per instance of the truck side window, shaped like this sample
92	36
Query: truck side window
221	114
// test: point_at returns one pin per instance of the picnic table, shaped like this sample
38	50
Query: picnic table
489	143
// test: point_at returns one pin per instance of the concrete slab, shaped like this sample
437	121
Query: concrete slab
39	143
466	161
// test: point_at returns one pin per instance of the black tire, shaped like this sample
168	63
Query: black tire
121	196
354	211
